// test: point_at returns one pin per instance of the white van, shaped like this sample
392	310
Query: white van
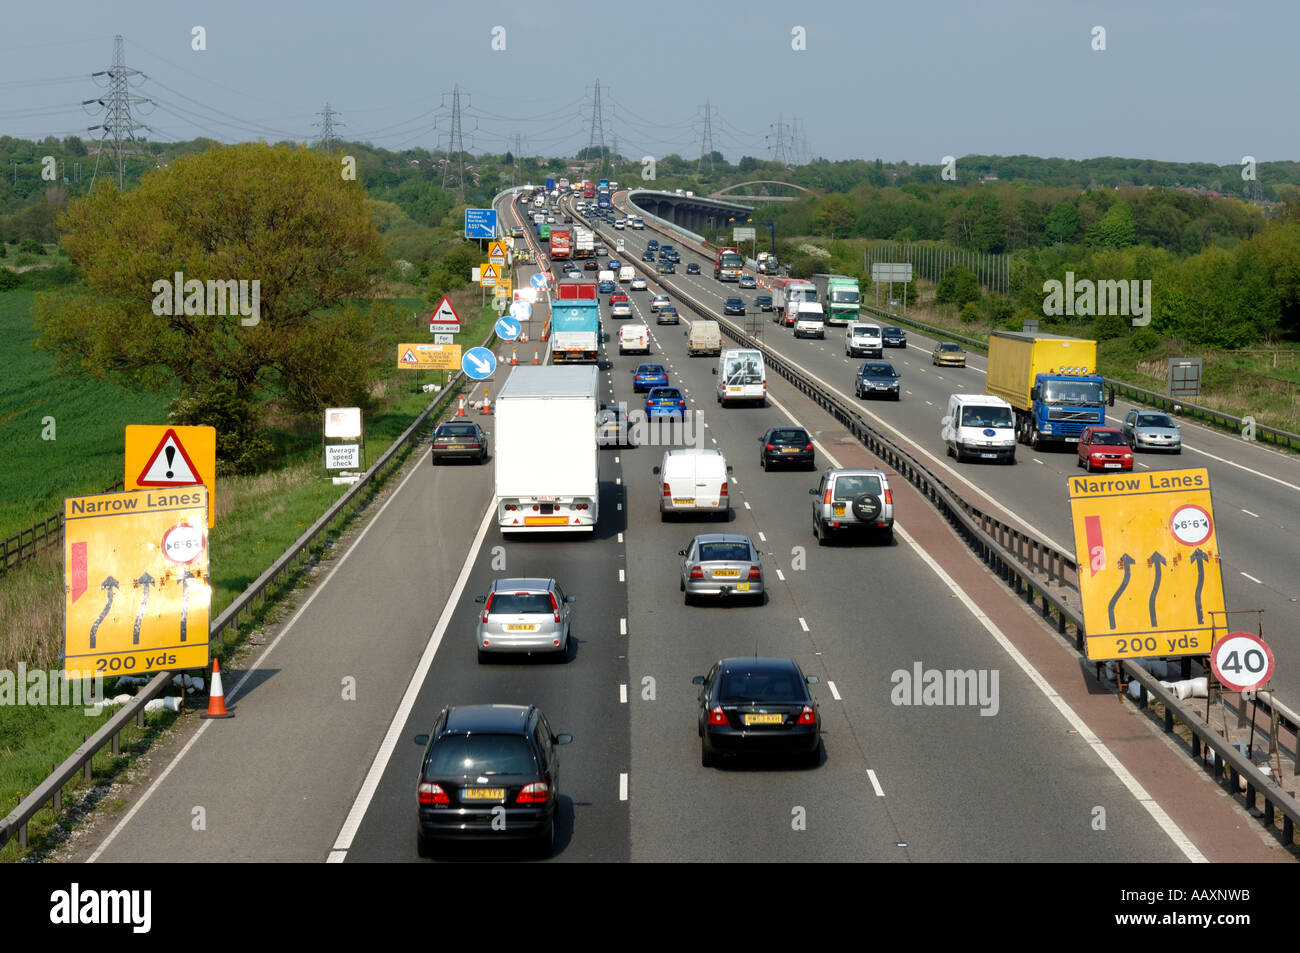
605	275
865	339
703	337
633	337
809	321
626	274
981	426
741	375
693	481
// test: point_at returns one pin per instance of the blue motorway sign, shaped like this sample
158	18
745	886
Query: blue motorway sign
538	280
478	363
521	311
481	223
507	328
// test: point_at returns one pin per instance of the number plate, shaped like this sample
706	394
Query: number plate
516	627
1112	466
789	450
733	390
683	501
989	456
483	794
773	719
726	573
838	509
742	587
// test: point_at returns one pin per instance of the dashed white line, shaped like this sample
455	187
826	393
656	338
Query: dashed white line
622	626
1252	578
622	694
780	575
762	538
620	537
1249	513
875	784
835	693
802	624
622	786
622	575
618	481
1039	462
747	506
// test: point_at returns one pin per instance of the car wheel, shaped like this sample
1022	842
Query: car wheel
482	457
423	846
762	461
707	758
681	584
1178	451
544	845
687	598
484	658
819	532
433	458
813	759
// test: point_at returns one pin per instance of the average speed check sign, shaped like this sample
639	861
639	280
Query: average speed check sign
1241	662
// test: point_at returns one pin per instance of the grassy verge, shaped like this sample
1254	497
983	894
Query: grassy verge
258	518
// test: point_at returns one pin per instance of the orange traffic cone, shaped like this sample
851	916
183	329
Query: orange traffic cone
460	411
216	697
486	406
535	360
514	356
523	337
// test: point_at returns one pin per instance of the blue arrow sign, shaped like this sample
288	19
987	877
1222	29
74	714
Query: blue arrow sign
478	363
521	311
481	223
507	328
538	280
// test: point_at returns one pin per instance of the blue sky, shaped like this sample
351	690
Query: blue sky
914	82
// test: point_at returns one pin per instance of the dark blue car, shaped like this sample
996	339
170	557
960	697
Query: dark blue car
649	376
665	402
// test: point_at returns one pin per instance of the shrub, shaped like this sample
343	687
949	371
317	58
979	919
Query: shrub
1108	326
31	246
9	280
970	312
1144	340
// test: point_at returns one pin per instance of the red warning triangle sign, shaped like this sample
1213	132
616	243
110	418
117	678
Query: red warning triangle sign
174	468
409	357
444	313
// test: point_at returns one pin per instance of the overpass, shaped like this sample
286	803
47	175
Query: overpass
760	198
694	213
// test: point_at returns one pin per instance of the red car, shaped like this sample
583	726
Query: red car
1104	448
616	297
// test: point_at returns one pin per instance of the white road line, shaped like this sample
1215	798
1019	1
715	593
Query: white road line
336	857
802	624
780	575
620	537
1039	462
261	660
1252	578
747	506
618	481
622	575
622	626
622	694
1143	465
875	784
620	507
622	786
762	538
616	459
1249	513
1240	466
835	693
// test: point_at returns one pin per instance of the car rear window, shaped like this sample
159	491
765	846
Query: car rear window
1154	420
710	552
789	436
1108	439
456	430
847	487
455	755
515	603
879	370
737	687
651	369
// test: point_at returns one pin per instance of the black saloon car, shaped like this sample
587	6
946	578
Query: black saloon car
786	446
484	762
758	706
891	336
459	440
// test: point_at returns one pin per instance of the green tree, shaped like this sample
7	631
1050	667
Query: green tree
957	286
834	214
1062	224
747	164
277	215
1116	229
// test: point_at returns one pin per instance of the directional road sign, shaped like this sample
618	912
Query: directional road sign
481	223
478	363
428	357
160	456
1148	558
538	280
507	328
137	589
1242	662
521	310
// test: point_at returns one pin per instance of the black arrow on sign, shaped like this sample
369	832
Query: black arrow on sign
146	581
1200	558
110	584
1158	561
185	598
1126	561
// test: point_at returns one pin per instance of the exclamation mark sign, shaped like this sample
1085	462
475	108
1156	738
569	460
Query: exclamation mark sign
170	451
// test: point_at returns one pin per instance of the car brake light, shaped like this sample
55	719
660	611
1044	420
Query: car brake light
809	447
768	446
826	497
535	793
666	493
697	572
555	607
430	793
755	572
889	497
724	489
487	606
716	716
806	717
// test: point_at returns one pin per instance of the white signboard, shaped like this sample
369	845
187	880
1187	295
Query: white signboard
343	456
742	234
444	338
891	271
343	423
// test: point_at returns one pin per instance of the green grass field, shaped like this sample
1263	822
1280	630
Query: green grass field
89	418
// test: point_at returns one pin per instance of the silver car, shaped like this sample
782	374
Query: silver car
1152	430
524	616
722	564
852	501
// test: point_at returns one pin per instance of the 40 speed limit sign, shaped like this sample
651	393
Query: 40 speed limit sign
1241	662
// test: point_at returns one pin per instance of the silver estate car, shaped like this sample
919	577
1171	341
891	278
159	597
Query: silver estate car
852	501
1152	430
524	616
722	564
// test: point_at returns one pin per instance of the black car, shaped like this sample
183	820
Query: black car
733	306
891	336
763	302
489	771
693	268
648	256
591	265
459	440
667	268
786	445
758	706
877	379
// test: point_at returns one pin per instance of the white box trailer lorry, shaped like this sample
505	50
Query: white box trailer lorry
546	451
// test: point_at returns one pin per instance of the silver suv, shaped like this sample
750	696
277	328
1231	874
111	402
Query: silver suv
855	500
524	615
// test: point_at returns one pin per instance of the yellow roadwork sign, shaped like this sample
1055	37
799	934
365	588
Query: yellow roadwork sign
1148	558
137	590
428	357
163	456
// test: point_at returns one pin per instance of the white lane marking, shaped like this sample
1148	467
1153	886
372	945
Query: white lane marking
1249	513
802	624
261	660
620	507
618	481
835	693
875	784
620	537
780	575
930	402
1039	462
714	439
1252	578
1143	465
336	857
622	575
622	786
747	506
616	459
622	626
622	694
762	538
1240	466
